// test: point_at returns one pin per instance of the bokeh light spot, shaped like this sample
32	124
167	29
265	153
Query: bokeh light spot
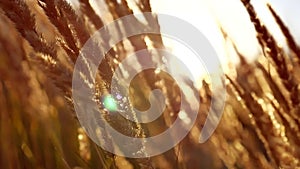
110	103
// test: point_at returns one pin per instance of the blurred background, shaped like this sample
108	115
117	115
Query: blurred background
257	42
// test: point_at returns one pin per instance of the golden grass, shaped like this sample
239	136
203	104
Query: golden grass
39	44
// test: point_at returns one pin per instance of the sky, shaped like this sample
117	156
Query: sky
233	17
206	15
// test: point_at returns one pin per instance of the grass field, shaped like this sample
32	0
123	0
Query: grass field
39	44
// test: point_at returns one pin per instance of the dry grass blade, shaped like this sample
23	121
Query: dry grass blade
19	13
268	43
75	22
288	36
87	9
57	18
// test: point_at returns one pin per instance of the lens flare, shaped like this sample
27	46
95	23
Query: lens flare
109	103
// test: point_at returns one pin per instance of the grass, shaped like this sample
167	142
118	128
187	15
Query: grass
39	44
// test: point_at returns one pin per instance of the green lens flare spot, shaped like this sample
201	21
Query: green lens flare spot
110	103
